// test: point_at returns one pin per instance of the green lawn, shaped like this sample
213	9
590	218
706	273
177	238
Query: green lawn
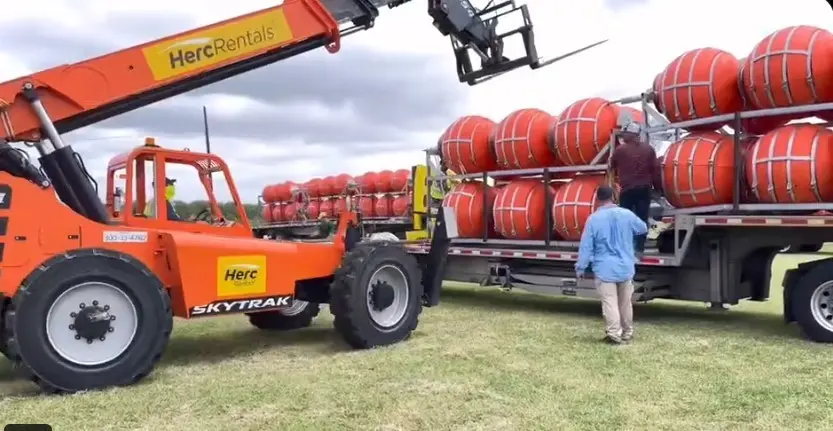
483	360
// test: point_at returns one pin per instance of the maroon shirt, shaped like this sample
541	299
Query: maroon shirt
635	165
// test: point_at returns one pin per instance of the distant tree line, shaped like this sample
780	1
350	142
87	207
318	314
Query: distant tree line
187	209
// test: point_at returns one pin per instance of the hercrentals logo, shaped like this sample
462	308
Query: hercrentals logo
213	45
241	275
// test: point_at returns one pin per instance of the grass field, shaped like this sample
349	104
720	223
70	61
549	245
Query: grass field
483	360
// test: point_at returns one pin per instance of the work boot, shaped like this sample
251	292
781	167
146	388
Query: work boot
610	339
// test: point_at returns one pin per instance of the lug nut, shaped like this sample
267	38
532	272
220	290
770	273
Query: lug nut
71	327
101	338
106	307
89	341
77	337
73	314
112	317
95	303
111	329
82	305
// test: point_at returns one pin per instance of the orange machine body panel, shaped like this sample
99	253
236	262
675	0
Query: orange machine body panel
520	210
521	140
792	66
698	170
791	164
468	202
191	265
573	203
466	145
383	206
699	83
68	91
583	129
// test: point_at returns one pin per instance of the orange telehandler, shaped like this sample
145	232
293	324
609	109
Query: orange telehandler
88	291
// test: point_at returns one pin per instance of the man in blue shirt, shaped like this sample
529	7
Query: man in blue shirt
607	249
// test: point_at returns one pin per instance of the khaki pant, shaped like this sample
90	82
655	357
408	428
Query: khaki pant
617	308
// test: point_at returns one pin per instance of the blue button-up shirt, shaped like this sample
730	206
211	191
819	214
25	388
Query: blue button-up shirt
607	244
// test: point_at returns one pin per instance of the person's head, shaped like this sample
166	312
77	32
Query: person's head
604	195
631	133
170	188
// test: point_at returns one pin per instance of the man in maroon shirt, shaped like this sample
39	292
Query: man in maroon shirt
634	162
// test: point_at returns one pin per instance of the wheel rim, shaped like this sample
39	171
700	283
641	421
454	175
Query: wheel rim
94	309
397	284
296	308
821	304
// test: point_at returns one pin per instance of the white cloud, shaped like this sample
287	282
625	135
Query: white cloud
644	37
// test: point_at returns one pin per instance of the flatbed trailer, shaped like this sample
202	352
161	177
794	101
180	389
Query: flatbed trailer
719	255
398	226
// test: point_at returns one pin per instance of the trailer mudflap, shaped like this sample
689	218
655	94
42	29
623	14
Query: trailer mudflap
445	228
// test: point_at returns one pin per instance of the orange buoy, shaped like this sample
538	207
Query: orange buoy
399	180
268	194
383	206
521	140
698	170
466	146
326	187
383	181
791	164
583	129
283	191
573	203
367	182
340	183
401	206
367	206
520	210
468	202
313	187
339	206
326	207
290	211
313	209
266	213
699	83
277	213
792	66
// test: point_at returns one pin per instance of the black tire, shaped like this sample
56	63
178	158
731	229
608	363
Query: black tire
35	357
802	304
278	320
350	288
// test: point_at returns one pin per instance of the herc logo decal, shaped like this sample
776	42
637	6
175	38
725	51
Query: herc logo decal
210	46
241	275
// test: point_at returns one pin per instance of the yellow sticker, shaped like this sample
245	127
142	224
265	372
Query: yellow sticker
241	275
204	48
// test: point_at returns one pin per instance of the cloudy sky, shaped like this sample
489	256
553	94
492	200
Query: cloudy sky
388	94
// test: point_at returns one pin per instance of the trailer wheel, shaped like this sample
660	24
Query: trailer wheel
299	315
811	300
88	319
376	296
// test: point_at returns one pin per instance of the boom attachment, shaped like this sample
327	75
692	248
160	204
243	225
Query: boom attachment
475	30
